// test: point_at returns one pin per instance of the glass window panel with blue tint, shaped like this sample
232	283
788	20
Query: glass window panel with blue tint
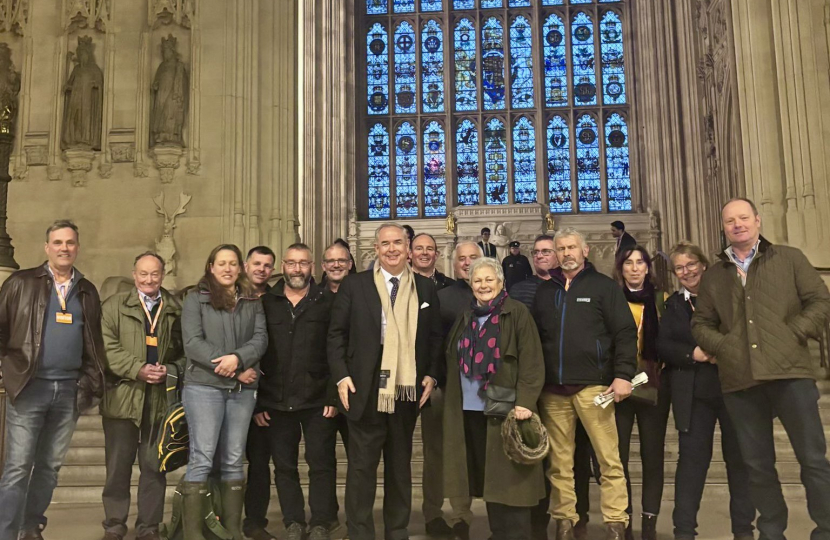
432	67
524	161
465	66
553	2
435	162
405	86
376	7
581	1
403	6
489	4
617	164
492	47
379	172
556	67
608	1
466	156
559	165
521	64
406	171
587	165
518	3
377	69
583	60
464	4
613	62
495	162
431	5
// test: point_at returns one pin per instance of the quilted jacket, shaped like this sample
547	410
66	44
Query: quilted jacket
759	332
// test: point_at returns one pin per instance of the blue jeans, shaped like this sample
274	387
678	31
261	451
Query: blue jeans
39	427
218	422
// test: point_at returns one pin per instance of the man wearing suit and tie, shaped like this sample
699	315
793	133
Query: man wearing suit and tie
384	349
487	248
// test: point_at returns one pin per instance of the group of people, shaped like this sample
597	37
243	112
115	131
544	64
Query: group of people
266	367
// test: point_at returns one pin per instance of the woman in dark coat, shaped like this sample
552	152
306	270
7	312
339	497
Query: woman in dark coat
648	405
698	404
493	343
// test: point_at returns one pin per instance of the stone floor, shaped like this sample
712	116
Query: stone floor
82	522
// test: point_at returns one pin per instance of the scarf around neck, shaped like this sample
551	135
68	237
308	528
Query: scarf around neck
479	345
397	365
650	324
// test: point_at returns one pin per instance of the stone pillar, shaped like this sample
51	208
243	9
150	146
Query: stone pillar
6	249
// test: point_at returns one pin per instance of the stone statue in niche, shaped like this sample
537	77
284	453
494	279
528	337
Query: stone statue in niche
501	239
9	89
165	246
84	105
170	93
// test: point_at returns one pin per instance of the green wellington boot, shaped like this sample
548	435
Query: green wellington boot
193	508
233	499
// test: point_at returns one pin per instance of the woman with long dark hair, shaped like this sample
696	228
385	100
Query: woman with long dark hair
224	333
648	405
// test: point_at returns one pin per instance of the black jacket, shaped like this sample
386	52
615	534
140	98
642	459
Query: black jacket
516	269
442	281
675	345
588	333
525	291
488	249
295	372
354	338
455	300
626	242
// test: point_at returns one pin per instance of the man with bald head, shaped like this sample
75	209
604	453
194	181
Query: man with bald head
756	308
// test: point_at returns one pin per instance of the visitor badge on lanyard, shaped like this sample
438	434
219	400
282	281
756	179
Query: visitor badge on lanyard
62	317
151	340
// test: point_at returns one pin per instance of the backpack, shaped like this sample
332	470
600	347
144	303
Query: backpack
172	447
212	529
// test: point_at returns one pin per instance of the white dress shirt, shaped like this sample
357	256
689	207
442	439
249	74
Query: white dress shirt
387	278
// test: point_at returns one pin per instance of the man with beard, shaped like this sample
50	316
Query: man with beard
589	341
424	256
259	266
384	349
293	400
337	264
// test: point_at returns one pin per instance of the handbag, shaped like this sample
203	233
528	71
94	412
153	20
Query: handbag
500	400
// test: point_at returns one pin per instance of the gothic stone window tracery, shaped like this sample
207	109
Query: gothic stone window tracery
489	102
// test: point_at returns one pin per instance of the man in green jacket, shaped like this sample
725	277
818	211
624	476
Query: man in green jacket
755	311
143	340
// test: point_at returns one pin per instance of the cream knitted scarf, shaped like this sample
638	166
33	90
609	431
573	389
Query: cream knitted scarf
398	371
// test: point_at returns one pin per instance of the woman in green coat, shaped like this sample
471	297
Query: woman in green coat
495	343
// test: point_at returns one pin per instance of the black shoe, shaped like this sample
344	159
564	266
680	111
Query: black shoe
649	531
461	530
439	528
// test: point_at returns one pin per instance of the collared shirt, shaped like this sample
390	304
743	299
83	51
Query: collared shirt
743	265
64	287
150	302
387	278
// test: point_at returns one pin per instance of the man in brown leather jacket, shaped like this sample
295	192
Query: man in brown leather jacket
51	355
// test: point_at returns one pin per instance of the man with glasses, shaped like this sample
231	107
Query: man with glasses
294	401
337	264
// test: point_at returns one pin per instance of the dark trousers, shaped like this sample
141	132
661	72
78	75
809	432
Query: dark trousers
651	427
390	435
508	522
693	464
122	440
258	491
795	402
320	435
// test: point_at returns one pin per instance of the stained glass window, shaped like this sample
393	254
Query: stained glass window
377	69
405	86
559	165
379	172
466	156
435	184
466	98
617	165
456	114
582	59
556	69
524	161
613	62
432	67
492	60
521	64
406	171
587	165
495	162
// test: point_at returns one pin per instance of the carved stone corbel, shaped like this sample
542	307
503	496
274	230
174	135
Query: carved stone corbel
171	12
78	14
78	162
167	161
14	16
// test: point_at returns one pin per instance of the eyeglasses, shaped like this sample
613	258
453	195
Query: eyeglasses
691	267
336	262
305	265
545	252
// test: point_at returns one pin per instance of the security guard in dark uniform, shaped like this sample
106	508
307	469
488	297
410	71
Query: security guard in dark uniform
516	266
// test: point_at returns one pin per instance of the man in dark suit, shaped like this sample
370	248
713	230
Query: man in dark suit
382	380
624	240
487	248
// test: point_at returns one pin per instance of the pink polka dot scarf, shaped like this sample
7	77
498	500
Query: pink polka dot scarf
478	347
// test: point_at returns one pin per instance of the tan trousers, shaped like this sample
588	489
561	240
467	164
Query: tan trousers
559	414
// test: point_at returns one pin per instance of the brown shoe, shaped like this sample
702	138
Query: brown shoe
30	535
564	529
260	534
581	530
615	531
